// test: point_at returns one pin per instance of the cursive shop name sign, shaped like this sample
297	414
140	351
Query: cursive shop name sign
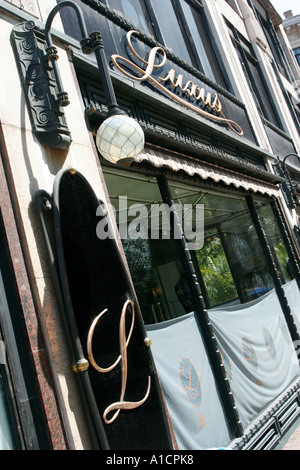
206	104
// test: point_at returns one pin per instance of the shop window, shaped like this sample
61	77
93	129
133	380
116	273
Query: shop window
276	243
152	256
215	271
7	440
231	262
230	265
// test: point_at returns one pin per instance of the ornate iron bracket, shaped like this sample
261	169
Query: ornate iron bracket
40	87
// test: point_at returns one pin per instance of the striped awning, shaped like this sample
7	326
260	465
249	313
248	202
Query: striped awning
193	167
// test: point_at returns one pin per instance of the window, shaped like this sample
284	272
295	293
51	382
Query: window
231	265
7	438
180	26
205	55
254	77
274	45
231	262
233	4
152	258
133	11
275	240
172	35
297	54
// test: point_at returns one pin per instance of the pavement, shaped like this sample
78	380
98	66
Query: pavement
294	441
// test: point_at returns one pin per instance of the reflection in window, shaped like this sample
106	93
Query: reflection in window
231	266
254	76
207	59
215	270
170	29
297	54
6	437
179	26
133	11
154	263
231	262
275	240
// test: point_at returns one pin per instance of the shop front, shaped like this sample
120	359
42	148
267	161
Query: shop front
179	291
213	279
248	294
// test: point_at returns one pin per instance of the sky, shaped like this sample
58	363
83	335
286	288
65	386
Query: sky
284	5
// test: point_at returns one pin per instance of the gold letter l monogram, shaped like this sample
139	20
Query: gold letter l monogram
120	405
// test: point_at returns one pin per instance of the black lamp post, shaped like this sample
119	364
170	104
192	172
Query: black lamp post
286	172
119	137
287	186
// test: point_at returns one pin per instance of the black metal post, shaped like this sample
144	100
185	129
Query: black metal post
286	173
273	271
95	425
202	317
89	44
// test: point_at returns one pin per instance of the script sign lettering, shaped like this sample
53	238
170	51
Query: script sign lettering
121	404
156	59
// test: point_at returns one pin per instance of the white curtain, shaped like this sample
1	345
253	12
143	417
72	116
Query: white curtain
258	352
258	355
5	434
188	384
292	293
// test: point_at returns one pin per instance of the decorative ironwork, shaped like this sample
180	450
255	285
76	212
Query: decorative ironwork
288	188
40	87
89	44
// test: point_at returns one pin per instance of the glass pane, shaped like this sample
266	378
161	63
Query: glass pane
133	11
203	45
262	94
276	242
216	272
170	29
6	441
151	253
231	262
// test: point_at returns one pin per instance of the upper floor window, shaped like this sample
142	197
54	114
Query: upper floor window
297	54
233	4
275	46
135	12
179	25
254	77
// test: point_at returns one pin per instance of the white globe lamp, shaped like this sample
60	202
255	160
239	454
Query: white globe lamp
120	138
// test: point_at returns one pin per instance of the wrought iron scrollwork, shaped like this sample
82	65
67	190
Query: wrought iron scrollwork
40	87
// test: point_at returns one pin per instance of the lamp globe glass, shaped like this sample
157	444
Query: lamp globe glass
120	137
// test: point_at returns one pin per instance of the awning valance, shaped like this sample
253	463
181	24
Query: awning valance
193	167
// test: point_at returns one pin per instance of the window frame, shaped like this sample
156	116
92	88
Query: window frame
217	75
246	55
217	190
